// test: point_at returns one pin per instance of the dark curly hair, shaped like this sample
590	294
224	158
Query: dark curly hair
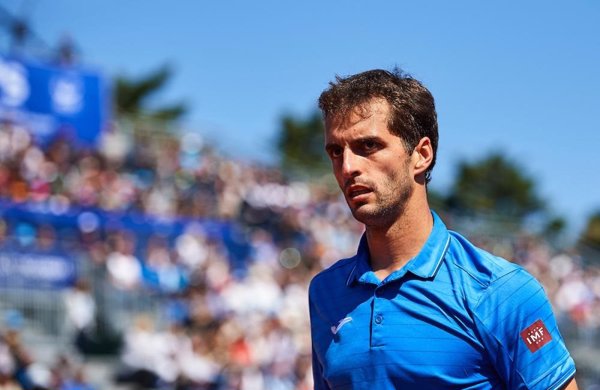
412	106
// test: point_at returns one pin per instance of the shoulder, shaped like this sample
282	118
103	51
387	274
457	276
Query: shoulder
497	289
488	282
334	275
482	267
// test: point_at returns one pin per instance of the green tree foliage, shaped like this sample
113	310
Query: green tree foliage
436	199
132	97
301	145
591	234
555	227
494	185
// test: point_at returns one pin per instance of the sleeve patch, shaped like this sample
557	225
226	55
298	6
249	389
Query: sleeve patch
535	336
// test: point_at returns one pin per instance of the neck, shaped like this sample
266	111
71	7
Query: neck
391	247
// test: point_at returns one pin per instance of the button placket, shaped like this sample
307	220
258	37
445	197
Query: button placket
377	327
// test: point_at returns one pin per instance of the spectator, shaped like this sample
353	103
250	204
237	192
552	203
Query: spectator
124	269
81	312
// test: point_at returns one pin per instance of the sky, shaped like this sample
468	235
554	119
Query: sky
521	78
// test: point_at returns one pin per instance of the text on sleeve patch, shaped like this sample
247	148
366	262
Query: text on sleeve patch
536	336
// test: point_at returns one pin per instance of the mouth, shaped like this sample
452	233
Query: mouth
356	192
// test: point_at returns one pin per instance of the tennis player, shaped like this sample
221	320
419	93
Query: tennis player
418	306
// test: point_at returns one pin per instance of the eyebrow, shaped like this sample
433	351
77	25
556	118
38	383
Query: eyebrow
368	138
377	139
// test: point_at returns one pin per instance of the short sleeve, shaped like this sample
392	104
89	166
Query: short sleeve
518	329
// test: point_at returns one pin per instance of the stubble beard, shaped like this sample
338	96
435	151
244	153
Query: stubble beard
391	199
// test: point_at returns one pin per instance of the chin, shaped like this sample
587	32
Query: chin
374	216
363	215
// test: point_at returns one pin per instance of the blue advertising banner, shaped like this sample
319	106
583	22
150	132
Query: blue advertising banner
36	270
69	222
51	100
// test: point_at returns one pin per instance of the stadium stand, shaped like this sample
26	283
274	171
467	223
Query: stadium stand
172	268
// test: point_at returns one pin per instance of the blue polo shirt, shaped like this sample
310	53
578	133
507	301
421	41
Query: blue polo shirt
454	317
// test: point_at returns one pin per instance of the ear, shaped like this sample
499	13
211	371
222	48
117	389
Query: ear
422	156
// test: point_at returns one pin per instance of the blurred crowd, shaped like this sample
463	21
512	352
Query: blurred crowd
214	325
20	370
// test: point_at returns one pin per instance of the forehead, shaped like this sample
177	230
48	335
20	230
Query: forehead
369	117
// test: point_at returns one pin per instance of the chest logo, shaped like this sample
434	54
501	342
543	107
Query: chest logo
536	336
344	321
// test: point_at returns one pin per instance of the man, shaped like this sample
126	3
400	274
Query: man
418	307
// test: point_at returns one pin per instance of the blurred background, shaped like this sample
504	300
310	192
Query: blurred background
165	200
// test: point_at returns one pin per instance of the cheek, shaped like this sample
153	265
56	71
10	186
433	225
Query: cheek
337	173
393	178
340	181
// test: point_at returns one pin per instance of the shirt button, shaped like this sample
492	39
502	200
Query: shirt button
378	319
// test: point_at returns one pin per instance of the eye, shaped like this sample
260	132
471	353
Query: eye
370	146
334	151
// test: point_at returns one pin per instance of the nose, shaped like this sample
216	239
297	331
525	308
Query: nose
350	164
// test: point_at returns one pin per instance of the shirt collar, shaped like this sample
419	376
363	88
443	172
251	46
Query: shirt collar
425	264
362	272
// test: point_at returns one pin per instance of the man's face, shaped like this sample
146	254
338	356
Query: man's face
370	164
